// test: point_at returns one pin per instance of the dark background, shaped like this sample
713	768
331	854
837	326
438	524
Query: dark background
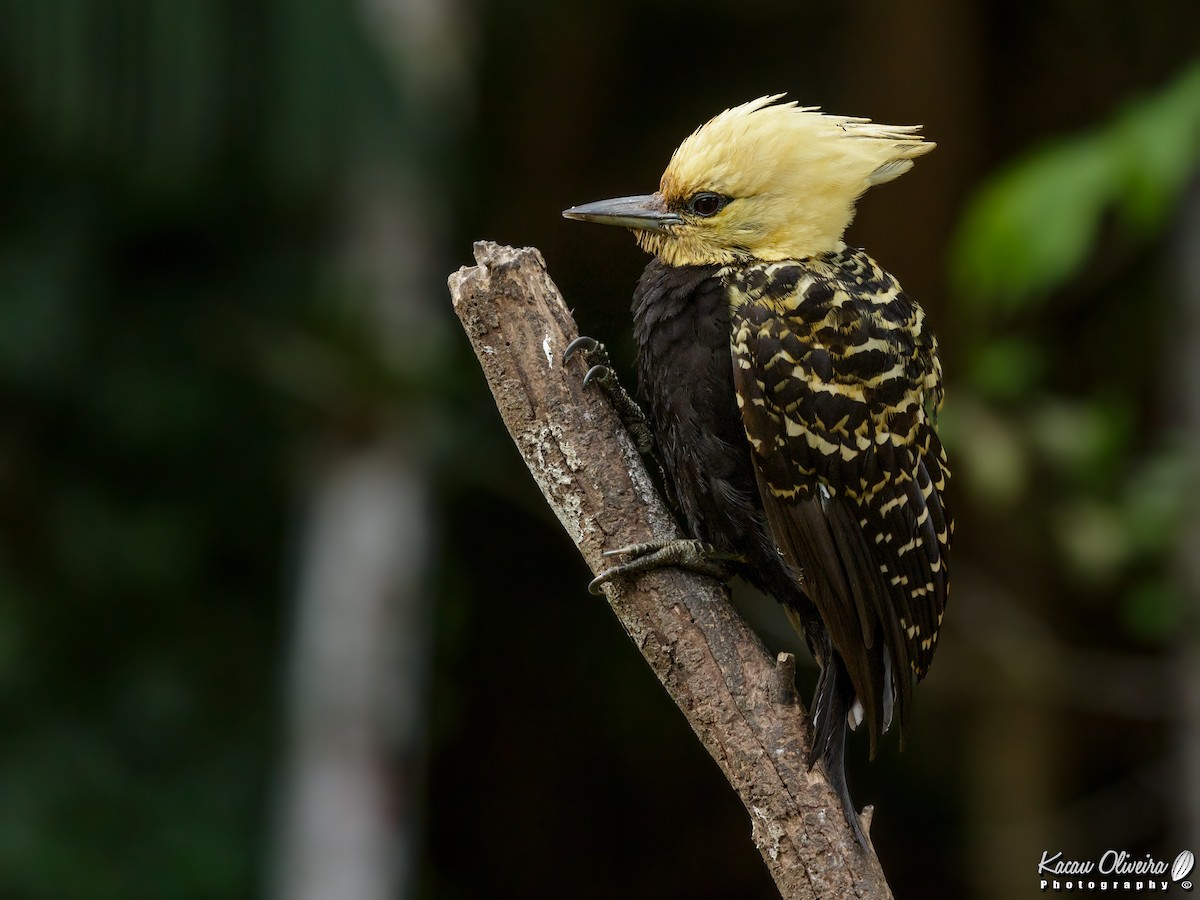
260	523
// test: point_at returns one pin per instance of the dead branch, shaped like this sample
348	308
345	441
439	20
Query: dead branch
714	667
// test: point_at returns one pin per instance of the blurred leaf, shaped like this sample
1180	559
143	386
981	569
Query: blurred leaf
1032	226
1006	369
1160	141
993	461
1083	439
1152	610
1094	539
1158	498
1140	526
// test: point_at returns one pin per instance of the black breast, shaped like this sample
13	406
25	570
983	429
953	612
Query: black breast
685	374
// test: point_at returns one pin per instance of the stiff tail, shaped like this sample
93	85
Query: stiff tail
831	704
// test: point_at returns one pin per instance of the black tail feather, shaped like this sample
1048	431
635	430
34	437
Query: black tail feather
831	702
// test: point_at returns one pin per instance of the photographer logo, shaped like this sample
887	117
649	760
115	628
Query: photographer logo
1115	871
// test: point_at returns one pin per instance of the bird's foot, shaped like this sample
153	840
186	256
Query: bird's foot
594	352
601	372
695	556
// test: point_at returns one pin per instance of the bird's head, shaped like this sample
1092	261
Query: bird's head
763	180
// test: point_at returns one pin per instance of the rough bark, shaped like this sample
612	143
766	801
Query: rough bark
713	666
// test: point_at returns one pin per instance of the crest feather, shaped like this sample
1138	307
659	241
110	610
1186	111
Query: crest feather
798	170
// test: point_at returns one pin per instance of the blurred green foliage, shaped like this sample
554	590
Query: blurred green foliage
172	171
1076	458
1035	224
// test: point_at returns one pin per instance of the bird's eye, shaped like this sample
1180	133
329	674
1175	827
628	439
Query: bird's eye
707	204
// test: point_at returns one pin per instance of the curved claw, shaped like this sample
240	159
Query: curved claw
584	343
633	549
595	583
595	372
636	550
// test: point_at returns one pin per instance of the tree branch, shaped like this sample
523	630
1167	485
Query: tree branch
714	667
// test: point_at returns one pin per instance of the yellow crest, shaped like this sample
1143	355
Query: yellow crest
788	177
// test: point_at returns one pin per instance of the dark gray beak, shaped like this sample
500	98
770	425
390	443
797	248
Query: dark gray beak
645	213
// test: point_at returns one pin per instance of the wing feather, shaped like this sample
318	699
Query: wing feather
837	379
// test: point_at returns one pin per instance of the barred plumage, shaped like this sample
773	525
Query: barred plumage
792	389
837	381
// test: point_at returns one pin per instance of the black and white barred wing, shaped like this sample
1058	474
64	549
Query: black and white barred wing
836	390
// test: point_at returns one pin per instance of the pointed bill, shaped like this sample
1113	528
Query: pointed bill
647	212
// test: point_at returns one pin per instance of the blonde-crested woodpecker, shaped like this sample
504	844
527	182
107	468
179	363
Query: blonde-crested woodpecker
791	390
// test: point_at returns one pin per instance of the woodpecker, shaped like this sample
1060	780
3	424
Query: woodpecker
791	389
